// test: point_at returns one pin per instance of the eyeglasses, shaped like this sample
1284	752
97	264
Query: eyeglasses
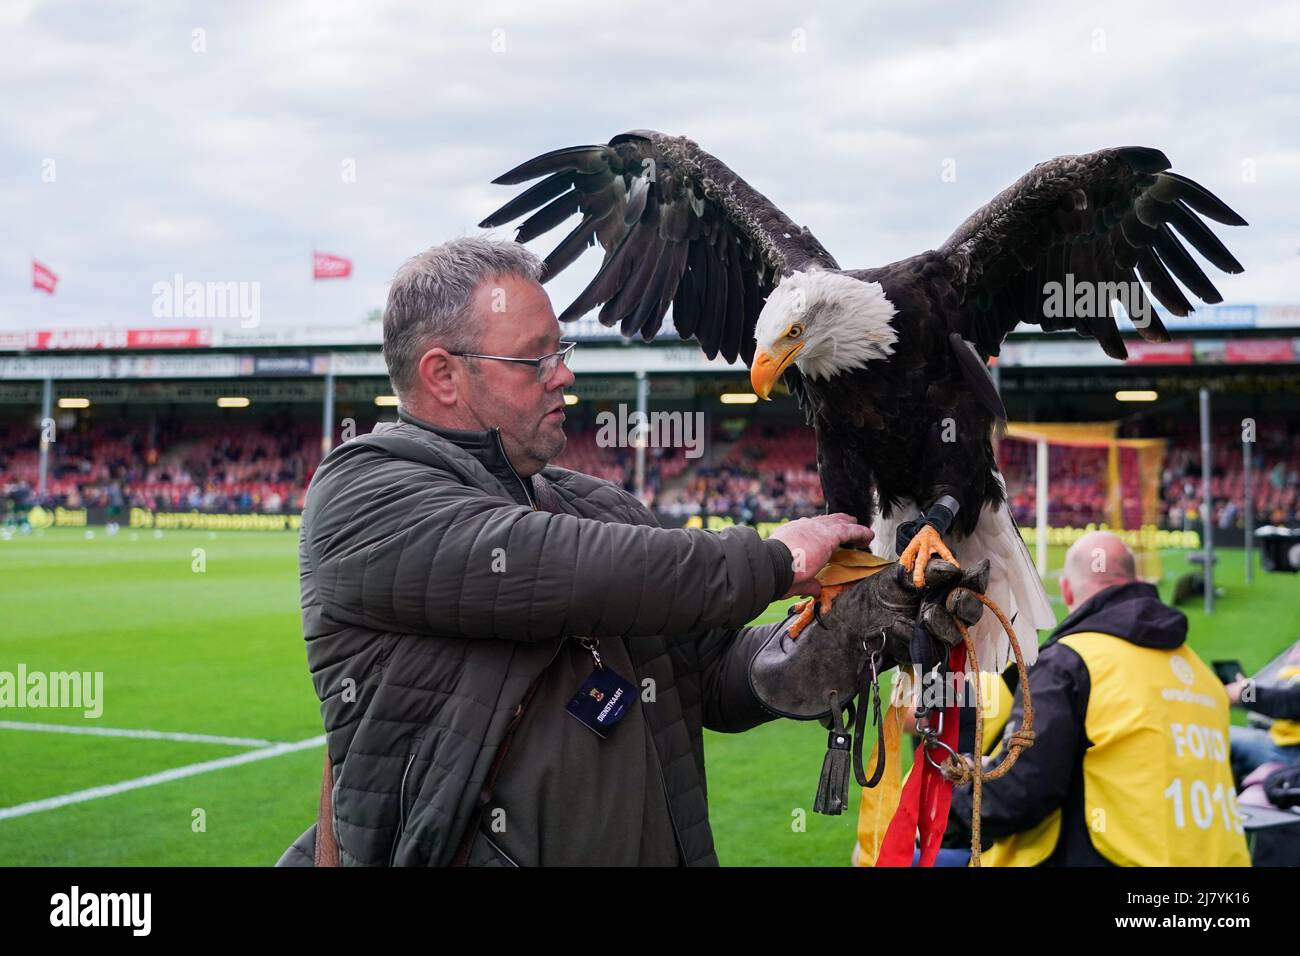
546	365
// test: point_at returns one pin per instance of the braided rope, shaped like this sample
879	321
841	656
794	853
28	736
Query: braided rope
972	771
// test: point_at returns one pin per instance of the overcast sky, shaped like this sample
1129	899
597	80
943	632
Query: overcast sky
215	141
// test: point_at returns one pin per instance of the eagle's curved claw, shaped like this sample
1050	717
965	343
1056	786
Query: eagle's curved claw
925	544
817	613
813	609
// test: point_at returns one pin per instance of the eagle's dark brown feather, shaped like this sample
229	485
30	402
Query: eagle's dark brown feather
679	227
668	215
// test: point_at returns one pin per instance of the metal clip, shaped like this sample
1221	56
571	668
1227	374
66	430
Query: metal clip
592	646
936	742
924	731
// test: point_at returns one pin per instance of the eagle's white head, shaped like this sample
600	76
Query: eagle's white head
824	323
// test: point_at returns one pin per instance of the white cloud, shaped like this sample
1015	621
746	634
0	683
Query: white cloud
226	163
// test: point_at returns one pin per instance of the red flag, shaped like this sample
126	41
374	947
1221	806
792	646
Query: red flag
326	266
43	278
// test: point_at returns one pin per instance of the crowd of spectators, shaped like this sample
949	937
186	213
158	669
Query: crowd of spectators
164	465
1077	481
767	472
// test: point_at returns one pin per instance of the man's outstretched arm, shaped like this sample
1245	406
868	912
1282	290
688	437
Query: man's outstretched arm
394	545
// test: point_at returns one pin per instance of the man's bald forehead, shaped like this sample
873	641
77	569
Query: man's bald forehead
1101	553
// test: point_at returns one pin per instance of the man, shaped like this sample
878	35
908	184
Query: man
1280	743
472	613
1129	765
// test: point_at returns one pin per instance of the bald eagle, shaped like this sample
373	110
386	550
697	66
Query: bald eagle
889	364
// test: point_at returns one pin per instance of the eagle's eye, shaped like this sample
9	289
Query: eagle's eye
796	330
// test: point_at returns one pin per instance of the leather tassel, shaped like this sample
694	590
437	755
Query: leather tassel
833	787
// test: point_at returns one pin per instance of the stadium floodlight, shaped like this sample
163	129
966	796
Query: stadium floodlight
1136	395
74	403
738	398
386	401
570	399
233	401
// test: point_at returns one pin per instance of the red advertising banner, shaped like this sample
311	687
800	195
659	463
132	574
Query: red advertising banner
1258	351
1159	353
168	338
55	339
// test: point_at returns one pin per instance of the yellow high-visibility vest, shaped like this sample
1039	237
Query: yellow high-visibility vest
997	711
1157	784
1286	733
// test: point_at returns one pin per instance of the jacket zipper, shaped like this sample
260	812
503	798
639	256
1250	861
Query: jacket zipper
410	759
519	716
668	800
528	495
496	431
401	807
504	855
663	782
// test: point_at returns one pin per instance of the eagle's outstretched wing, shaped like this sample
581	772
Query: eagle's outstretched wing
1103	217
677	227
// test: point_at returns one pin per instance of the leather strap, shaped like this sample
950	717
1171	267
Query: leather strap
547	499
327	846
868	684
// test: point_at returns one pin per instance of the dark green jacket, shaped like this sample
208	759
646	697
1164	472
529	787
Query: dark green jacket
431	599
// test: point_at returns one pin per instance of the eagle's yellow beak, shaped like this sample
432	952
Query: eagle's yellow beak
768	366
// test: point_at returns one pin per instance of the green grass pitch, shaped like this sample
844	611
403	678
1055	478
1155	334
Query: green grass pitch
218	652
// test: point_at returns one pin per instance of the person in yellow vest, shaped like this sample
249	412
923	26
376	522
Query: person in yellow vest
1130	762
1252	746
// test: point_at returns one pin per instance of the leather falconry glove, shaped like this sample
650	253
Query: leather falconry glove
794	678
876	623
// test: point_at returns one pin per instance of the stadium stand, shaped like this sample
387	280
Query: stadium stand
179	464
766	472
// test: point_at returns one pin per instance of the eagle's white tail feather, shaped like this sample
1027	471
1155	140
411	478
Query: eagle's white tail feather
1014	585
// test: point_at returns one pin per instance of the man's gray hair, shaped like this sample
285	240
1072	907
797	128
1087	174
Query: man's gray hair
428	302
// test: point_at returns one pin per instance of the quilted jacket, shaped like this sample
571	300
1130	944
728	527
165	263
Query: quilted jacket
431	600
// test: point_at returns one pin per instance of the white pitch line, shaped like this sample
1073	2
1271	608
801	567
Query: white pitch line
166	776
142	734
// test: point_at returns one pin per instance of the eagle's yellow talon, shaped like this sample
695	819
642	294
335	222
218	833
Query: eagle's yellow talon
805	613
803	616
925	544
